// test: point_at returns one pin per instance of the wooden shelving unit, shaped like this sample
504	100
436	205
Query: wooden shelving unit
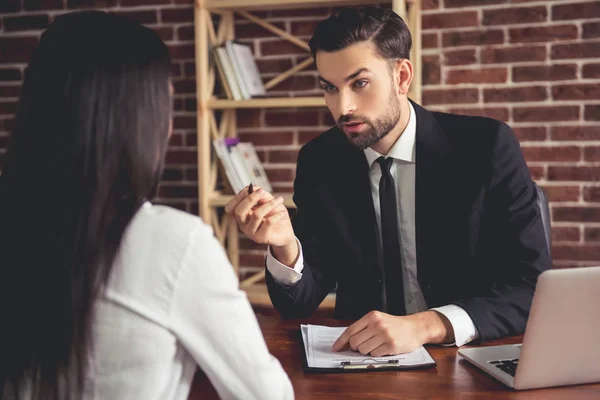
208	35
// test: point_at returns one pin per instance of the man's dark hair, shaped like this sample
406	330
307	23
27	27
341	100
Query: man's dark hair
381	26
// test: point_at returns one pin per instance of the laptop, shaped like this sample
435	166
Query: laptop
561	342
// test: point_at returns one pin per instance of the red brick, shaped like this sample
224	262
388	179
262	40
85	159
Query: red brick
178	191
14	50
189	69
8	107
34	5
186	122
292	118
562	193
306	136
191	174
303	28
274	65
547	113
591	194
591	71
430	4
172	174
283	156
576	11
592	112
530	133
148	17
585	133
513	54
517	15
91	3
10	74
460	57
190	105
176	140
247	244
473	38
576	50
267	138
498	113
10	91
429	40
515	94
186	33
248	118
538	172
10	6
551	154
165	32
182	51
591	153
252	260
279	174
133	3
302	12
191	139
279	48
544	73
296	83
443	20
480	75
175	15
592	234
576	253
576	92
28	22
572	173
182	157
565	234
576	214
542	33
471	3
252	31
439	96
431	72
185	86
590	30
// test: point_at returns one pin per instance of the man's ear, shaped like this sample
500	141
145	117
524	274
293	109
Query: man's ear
403	74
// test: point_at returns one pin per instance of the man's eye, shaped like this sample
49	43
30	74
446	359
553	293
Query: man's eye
328	88
361	84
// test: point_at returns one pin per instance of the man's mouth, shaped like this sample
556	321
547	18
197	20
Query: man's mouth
352	127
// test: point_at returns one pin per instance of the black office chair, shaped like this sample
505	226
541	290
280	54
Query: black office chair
542	201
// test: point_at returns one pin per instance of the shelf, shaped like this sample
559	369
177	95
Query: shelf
232	5
220	200
273	102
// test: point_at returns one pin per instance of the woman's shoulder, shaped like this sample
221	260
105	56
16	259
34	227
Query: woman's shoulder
167	222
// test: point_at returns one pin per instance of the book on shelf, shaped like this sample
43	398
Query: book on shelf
238	71
241	164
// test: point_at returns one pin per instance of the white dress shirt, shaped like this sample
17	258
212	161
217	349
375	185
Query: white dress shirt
403	171
173	303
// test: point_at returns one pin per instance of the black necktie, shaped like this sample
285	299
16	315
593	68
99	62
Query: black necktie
394	289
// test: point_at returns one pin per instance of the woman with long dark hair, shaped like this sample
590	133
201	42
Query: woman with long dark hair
102	294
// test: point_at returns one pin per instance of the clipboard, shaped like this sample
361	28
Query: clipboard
352	368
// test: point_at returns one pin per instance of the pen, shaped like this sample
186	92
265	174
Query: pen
250	188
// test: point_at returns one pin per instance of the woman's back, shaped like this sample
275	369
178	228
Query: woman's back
171	303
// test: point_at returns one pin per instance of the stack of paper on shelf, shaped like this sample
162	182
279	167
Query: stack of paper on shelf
238	71
241	163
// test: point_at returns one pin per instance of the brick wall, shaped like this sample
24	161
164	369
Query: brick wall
534	64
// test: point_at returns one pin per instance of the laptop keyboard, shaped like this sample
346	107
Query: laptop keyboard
508	366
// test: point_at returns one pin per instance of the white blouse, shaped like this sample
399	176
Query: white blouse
172	304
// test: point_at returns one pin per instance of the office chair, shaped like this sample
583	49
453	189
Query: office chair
542	201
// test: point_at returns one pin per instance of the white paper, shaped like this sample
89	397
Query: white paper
318	341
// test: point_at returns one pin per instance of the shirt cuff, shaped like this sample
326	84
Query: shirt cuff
282	273
462	324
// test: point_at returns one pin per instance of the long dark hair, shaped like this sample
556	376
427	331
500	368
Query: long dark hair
87	149
382	26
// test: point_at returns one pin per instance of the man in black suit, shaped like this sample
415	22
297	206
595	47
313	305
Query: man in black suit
427	222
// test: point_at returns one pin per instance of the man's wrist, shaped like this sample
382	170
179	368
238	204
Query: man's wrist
436	328
286	254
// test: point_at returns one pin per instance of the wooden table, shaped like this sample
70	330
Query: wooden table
452	378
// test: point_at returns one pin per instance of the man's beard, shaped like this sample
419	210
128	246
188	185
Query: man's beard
373	130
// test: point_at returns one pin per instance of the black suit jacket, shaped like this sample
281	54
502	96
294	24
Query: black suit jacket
479	233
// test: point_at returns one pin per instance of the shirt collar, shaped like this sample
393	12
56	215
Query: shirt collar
404	148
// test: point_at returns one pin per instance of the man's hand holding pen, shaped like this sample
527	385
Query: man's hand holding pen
264	219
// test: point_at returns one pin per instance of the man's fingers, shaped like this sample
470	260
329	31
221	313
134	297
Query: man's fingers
259	213
358	339
353	329
383	350
248	203
233	203
367	346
